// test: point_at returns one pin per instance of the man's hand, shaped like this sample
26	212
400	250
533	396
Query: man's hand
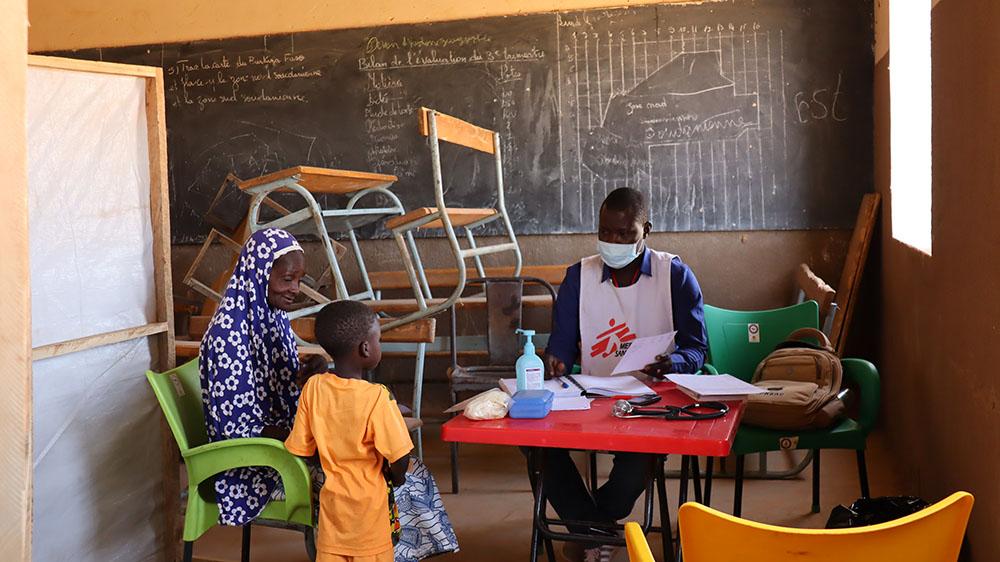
314	365
663	366
556	367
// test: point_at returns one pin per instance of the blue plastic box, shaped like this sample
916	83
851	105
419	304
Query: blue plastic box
531	404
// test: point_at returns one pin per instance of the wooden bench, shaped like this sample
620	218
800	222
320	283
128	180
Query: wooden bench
440	278
421	331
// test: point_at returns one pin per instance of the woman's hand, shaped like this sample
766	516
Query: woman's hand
315	364
275	432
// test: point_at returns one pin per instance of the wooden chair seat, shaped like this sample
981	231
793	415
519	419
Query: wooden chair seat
458	217
324	180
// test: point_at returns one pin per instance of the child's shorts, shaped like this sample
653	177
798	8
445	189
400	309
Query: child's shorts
386	556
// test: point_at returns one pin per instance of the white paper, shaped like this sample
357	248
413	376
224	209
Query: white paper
621	385
556	385
643	351
725	387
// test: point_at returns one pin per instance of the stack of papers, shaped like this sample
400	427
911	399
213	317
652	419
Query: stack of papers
568	398
714	387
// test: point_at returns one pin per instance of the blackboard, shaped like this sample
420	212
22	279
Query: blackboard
743	114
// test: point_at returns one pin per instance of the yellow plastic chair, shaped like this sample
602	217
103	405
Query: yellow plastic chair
638	548
933	534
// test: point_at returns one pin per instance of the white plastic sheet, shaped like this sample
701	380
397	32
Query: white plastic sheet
88	183
97	441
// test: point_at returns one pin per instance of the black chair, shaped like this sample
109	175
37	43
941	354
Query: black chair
504	306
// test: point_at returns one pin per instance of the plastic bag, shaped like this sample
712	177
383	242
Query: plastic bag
871	511
490	405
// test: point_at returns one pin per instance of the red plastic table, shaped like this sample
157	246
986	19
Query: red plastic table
597	430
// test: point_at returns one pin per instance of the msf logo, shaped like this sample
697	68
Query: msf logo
615	341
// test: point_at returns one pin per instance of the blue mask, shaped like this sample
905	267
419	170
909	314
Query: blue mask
617	256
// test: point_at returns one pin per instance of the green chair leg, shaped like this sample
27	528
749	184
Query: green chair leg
738	486
815	504
310	537
863	474
245	550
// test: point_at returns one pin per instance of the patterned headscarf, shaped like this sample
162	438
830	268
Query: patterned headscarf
248	362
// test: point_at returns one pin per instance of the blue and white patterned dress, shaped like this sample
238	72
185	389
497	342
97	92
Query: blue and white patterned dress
248	362
425	530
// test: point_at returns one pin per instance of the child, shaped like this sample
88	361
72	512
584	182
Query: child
354	426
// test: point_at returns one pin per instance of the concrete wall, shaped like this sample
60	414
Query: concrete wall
939	314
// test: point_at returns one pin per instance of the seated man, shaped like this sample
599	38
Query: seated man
626	290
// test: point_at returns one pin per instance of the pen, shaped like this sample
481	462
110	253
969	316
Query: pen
563	383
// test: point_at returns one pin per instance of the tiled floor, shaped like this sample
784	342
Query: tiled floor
492	514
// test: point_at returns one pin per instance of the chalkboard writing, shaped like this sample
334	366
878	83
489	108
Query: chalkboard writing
747	114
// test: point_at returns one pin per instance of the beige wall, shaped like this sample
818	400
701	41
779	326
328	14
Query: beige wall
15	314
74	24
722	261
939	321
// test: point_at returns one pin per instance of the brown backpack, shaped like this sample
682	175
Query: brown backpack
802	381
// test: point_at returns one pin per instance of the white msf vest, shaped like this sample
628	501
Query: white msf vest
611	317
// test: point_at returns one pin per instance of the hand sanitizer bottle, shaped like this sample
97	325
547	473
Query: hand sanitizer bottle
529	367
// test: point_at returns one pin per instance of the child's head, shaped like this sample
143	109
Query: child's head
350	331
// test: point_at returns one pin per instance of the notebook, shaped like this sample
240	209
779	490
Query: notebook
714	387
621	385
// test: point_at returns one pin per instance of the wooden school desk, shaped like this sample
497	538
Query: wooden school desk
597	430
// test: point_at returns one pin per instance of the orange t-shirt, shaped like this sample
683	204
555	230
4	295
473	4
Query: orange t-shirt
354	425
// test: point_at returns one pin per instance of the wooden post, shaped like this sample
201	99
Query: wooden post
159	210
854	266
15	314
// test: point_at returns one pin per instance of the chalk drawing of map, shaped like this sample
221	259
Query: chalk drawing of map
694	119
686	99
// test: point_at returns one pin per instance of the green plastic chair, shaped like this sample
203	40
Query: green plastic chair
731	351
179	394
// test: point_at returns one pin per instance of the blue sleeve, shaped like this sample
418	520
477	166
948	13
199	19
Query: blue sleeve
564	339
689	319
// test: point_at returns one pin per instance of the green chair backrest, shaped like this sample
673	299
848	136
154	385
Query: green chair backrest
179	393
731	348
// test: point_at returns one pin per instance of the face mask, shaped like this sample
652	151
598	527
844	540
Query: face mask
617	256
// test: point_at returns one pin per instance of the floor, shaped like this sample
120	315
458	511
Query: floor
492	514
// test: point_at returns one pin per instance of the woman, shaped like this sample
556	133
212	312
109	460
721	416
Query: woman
249	362
250	377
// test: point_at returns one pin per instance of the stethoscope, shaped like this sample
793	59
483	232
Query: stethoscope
696	411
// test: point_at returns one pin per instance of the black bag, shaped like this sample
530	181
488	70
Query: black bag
871	511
